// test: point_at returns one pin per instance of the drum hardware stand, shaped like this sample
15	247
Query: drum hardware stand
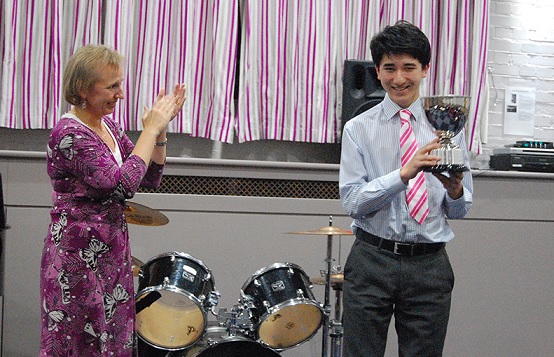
327	305
236	320
336	326
337	331
332	328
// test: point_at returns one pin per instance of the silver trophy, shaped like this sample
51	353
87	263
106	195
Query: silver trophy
447	114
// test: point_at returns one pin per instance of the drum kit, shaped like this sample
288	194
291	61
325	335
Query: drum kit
276	310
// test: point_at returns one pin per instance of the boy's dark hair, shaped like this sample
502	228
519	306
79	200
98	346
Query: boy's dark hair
401	38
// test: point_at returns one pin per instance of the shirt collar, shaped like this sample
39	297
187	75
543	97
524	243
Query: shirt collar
391	108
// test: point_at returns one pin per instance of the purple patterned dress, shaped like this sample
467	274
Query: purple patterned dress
86	283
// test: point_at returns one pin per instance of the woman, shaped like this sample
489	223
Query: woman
87	295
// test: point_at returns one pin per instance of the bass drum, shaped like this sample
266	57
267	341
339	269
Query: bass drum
285	311
172	301
217	343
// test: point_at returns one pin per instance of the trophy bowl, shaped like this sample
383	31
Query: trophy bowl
447	114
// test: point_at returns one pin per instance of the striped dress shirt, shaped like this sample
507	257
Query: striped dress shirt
371	190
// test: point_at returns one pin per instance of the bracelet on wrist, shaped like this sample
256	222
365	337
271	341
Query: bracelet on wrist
161	143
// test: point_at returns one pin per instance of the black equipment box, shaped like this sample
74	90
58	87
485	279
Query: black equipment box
522	159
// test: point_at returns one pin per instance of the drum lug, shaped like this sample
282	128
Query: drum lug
211	341
278	285
257	283
300	293
247	300
212	301
208	276
166	282
247	303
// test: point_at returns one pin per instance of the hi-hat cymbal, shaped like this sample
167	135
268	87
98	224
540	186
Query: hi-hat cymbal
137	264
336	280
138	214
326	231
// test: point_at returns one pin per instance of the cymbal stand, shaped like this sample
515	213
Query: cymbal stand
336	326
327	305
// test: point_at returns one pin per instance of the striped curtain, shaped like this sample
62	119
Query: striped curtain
36	38
289	72
178	41
290	66
292	55
165	42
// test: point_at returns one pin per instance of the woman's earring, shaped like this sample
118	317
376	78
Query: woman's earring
84	104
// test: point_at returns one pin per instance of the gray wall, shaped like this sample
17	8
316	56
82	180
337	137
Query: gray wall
502	304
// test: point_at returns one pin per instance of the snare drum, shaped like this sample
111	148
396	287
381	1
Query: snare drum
173	295
217	343
285	311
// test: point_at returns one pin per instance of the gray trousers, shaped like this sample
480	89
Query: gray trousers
378	284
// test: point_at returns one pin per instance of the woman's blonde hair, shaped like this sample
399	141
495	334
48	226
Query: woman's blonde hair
80	74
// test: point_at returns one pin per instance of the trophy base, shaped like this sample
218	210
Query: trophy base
447	167
452	159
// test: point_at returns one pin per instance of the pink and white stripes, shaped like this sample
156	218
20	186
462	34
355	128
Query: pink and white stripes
36	37
165	42
416	194
169	42
289	79
292	53
289	72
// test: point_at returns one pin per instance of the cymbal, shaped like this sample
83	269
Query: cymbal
138	214
336	280
137	264
326	231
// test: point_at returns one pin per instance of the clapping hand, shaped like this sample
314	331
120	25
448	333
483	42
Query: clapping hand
179	93
161	113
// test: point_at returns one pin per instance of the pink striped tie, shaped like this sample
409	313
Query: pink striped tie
416	195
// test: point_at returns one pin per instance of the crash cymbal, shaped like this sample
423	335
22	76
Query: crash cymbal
326	231
137	264
138	214
336	280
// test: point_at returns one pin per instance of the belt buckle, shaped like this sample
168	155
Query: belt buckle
400	244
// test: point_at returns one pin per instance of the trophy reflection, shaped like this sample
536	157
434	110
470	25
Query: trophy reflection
447	114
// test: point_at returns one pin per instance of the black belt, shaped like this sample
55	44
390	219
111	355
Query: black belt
399	248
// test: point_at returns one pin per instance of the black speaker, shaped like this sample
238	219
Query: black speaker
361	89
